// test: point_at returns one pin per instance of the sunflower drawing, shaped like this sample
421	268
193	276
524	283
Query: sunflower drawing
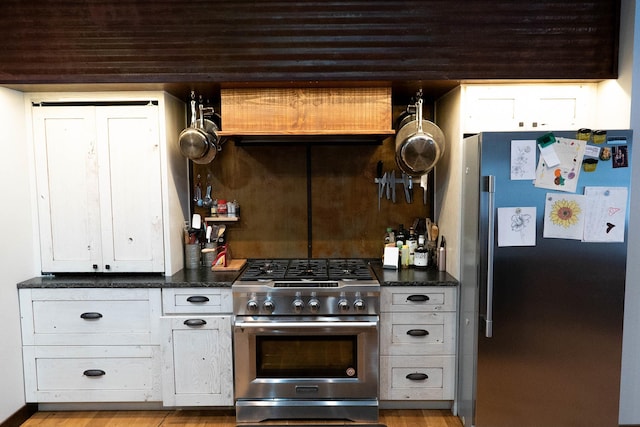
565	213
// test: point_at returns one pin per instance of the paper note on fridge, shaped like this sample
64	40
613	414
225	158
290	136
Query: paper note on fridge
523	159
563	176
606	215
517	226
564	216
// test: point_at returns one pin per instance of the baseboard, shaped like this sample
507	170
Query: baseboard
20	416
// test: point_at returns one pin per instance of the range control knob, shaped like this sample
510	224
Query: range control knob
343	305
298	305
359	305
314	305
252	306
269	306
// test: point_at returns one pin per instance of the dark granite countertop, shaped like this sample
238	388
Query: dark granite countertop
412	276
204	277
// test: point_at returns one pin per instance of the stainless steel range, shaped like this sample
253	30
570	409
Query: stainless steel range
306	340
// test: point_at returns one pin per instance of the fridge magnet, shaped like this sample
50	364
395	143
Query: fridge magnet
564	176
620	156
606	215
564	216
589	164
605	154
523	159
517	226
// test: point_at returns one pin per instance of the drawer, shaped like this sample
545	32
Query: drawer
196	300
92	374
427	333
90	316
417	378
418	298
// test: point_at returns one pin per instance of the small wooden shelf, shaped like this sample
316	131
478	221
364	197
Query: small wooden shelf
222	218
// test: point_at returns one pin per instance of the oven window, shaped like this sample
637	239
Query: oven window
306	357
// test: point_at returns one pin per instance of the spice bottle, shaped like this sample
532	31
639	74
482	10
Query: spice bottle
412	242
421	254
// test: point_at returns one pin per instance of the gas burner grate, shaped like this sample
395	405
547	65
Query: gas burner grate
303	269
349	268
265	269
313	269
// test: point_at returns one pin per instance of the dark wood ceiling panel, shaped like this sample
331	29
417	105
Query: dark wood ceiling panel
91	41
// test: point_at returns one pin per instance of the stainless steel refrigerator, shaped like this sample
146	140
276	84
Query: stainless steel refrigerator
540	324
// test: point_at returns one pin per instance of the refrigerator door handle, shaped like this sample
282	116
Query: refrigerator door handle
491	202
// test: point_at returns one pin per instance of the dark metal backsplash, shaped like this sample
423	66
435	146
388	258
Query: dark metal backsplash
308	200
221	42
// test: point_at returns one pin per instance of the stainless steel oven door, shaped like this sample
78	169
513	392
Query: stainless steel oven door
306	358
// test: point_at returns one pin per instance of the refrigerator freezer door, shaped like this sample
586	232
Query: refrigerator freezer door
554	356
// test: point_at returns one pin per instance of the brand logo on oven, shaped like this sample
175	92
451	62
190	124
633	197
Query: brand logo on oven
351	372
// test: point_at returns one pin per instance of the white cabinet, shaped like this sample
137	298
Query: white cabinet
512	107
197	360
473	108
91	345
108	184
417	343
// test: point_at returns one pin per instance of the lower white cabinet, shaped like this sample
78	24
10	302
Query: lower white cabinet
197	360
91	345
128	345
92	373
417	343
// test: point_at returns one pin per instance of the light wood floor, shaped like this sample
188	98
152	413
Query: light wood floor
391	418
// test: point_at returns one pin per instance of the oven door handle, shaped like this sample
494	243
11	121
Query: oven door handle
304	325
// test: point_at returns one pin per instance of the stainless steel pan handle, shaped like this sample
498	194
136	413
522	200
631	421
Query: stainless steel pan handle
491	189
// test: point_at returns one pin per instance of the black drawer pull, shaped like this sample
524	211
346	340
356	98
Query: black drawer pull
418	298
195	322
417	332
417	376
94	373
198	298
90	315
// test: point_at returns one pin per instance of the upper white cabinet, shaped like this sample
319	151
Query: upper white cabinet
528	107
473	108
111	186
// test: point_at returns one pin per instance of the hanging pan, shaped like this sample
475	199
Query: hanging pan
199	142
420	144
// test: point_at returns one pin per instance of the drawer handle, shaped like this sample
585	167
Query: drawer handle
91	315
418	298
198	298
195	322
94	373
417	376
417	332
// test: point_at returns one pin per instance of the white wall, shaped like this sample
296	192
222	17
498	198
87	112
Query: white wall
629	71
17	253
448	177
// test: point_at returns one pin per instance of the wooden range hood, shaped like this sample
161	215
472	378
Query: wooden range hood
288	114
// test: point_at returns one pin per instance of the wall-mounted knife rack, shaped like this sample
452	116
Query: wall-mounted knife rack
389	180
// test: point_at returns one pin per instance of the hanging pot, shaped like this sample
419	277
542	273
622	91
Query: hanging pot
200	141
420	144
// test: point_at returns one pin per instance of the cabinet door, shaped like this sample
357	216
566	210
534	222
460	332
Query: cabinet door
130	188
528	107
99	188
93	373
67	186
197	361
